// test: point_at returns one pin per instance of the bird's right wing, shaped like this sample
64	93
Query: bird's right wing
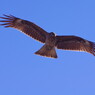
75	43
25	26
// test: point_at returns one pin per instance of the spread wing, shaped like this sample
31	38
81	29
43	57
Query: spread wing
75	43
25	26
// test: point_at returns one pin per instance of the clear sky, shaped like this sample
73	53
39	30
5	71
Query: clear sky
24	73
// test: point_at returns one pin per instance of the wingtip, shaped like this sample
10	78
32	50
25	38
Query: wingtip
7	15
93	48
7	20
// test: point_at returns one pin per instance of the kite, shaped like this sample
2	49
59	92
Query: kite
50	40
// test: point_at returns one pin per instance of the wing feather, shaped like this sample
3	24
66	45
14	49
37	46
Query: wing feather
75	43
25	26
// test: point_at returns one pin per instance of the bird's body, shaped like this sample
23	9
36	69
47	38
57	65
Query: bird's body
48	49
50	40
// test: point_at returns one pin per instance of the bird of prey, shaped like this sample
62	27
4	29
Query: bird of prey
50	40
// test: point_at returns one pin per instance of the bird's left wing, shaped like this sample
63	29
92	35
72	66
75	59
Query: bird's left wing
75	43
27	27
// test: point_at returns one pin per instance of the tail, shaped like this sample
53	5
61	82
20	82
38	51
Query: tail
47	51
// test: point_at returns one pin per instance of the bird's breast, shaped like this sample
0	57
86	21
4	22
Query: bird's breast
51	40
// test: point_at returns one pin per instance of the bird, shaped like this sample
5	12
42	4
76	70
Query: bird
50	40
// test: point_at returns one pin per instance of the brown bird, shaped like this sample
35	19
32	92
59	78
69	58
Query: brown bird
51	40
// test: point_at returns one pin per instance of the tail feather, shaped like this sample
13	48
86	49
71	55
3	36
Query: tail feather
47	51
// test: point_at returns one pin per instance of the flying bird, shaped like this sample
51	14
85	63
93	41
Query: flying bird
50	40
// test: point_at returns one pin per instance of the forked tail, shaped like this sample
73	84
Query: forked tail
47	51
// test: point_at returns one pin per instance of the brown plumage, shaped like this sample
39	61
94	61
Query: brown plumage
50	39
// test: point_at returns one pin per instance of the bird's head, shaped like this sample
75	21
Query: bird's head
52	34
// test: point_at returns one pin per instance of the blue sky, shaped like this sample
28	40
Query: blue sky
24	73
